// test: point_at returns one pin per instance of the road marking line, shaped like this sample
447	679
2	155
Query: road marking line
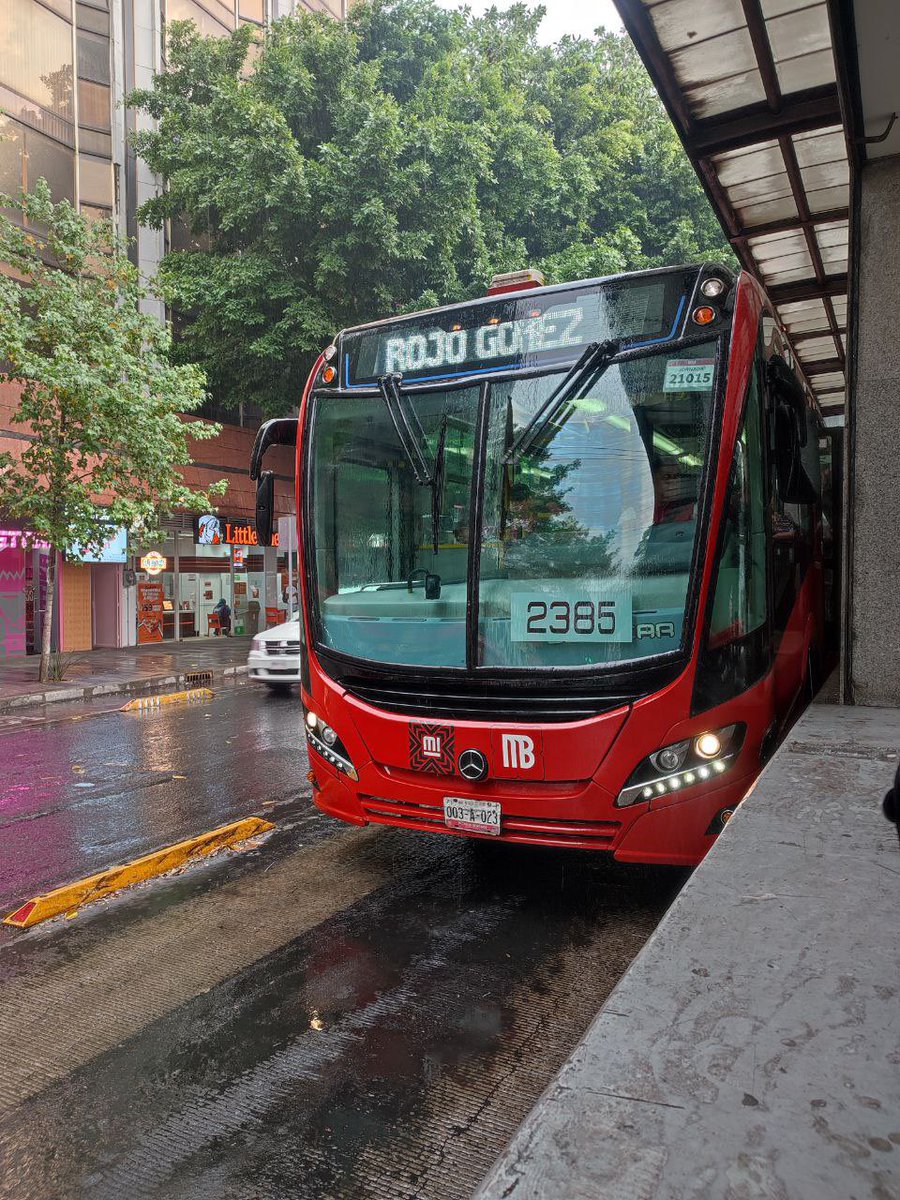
75	895
142	703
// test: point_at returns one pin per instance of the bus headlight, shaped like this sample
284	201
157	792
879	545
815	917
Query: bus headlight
684	764
708	745
325	741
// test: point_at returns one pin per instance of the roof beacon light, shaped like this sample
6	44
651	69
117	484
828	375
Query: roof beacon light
712	287
516	281
704	315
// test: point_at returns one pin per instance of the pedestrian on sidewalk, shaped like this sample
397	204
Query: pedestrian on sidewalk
253	611
223	611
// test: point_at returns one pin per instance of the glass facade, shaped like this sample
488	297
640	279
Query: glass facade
56	99
60	103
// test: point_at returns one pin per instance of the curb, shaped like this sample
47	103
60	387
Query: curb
84	891
143	703
147	685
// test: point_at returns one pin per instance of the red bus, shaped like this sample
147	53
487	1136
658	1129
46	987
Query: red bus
561	557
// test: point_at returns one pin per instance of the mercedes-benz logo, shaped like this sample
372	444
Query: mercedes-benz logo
472	765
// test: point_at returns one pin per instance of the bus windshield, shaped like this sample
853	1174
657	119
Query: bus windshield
581	545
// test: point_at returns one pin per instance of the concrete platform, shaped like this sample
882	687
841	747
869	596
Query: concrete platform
753	1048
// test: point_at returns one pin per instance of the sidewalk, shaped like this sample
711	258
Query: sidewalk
136	669
751	1050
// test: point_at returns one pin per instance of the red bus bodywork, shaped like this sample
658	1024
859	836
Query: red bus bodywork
567	796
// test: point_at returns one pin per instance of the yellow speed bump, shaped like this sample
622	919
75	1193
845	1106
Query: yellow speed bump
143	703
72	896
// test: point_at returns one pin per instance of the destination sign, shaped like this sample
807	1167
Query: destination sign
560	328
525	331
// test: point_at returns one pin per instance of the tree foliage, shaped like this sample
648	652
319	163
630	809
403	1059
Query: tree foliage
395	162
98	397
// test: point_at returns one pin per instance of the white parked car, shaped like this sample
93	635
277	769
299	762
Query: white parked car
274	657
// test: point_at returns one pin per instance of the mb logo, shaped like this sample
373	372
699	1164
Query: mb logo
518	752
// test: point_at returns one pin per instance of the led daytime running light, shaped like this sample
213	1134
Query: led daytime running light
672	783
337	760
688	763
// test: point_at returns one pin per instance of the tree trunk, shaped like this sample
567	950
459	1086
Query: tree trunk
48	618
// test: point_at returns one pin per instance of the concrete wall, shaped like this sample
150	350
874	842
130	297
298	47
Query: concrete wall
874	468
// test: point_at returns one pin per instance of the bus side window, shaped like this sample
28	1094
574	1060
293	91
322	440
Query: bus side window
739	597
793	527
736	652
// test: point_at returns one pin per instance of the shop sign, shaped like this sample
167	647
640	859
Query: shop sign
21	539
238	554
213	530
113	550
153	563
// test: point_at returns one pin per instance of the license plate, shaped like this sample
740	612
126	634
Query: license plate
472	816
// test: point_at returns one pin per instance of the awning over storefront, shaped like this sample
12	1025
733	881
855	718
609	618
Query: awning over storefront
751	86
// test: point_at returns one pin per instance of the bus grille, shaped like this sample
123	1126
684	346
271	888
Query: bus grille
478	703
556	831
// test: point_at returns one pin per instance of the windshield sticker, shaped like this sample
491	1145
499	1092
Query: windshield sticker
603	614
688	375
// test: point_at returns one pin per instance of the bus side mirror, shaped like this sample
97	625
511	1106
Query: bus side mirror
789	433
265	507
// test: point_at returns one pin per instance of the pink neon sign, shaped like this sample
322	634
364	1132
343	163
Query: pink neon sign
21	539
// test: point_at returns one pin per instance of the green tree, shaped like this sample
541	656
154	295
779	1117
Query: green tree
99	399
394	162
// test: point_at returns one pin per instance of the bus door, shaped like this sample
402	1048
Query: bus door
794	561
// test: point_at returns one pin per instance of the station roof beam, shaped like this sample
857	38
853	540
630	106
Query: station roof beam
751	86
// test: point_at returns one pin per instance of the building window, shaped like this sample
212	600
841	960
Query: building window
93	104
212	20
95	178
36	62
26	155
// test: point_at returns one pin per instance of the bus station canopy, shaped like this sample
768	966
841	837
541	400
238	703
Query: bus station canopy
759	93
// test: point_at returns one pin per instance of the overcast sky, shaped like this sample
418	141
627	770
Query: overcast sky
563	16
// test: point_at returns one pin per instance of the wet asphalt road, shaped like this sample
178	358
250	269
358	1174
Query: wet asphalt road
338	1013
88	788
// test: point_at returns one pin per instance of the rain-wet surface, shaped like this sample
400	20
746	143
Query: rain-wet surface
93	787
339	1013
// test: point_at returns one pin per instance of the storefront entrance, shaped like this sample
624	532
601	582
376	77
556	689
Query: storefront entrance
23	592
181	583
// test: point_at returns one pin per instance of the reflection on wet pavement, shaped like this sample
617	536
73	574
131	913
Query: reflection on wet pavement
387	1050
80	795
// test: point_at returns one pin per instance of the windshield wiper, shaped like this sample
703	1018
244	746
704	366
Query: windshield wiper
437	485
407	427
412	440
590	366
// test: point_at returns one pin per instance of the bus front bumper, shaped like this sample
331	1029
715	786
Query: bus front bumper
580	815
